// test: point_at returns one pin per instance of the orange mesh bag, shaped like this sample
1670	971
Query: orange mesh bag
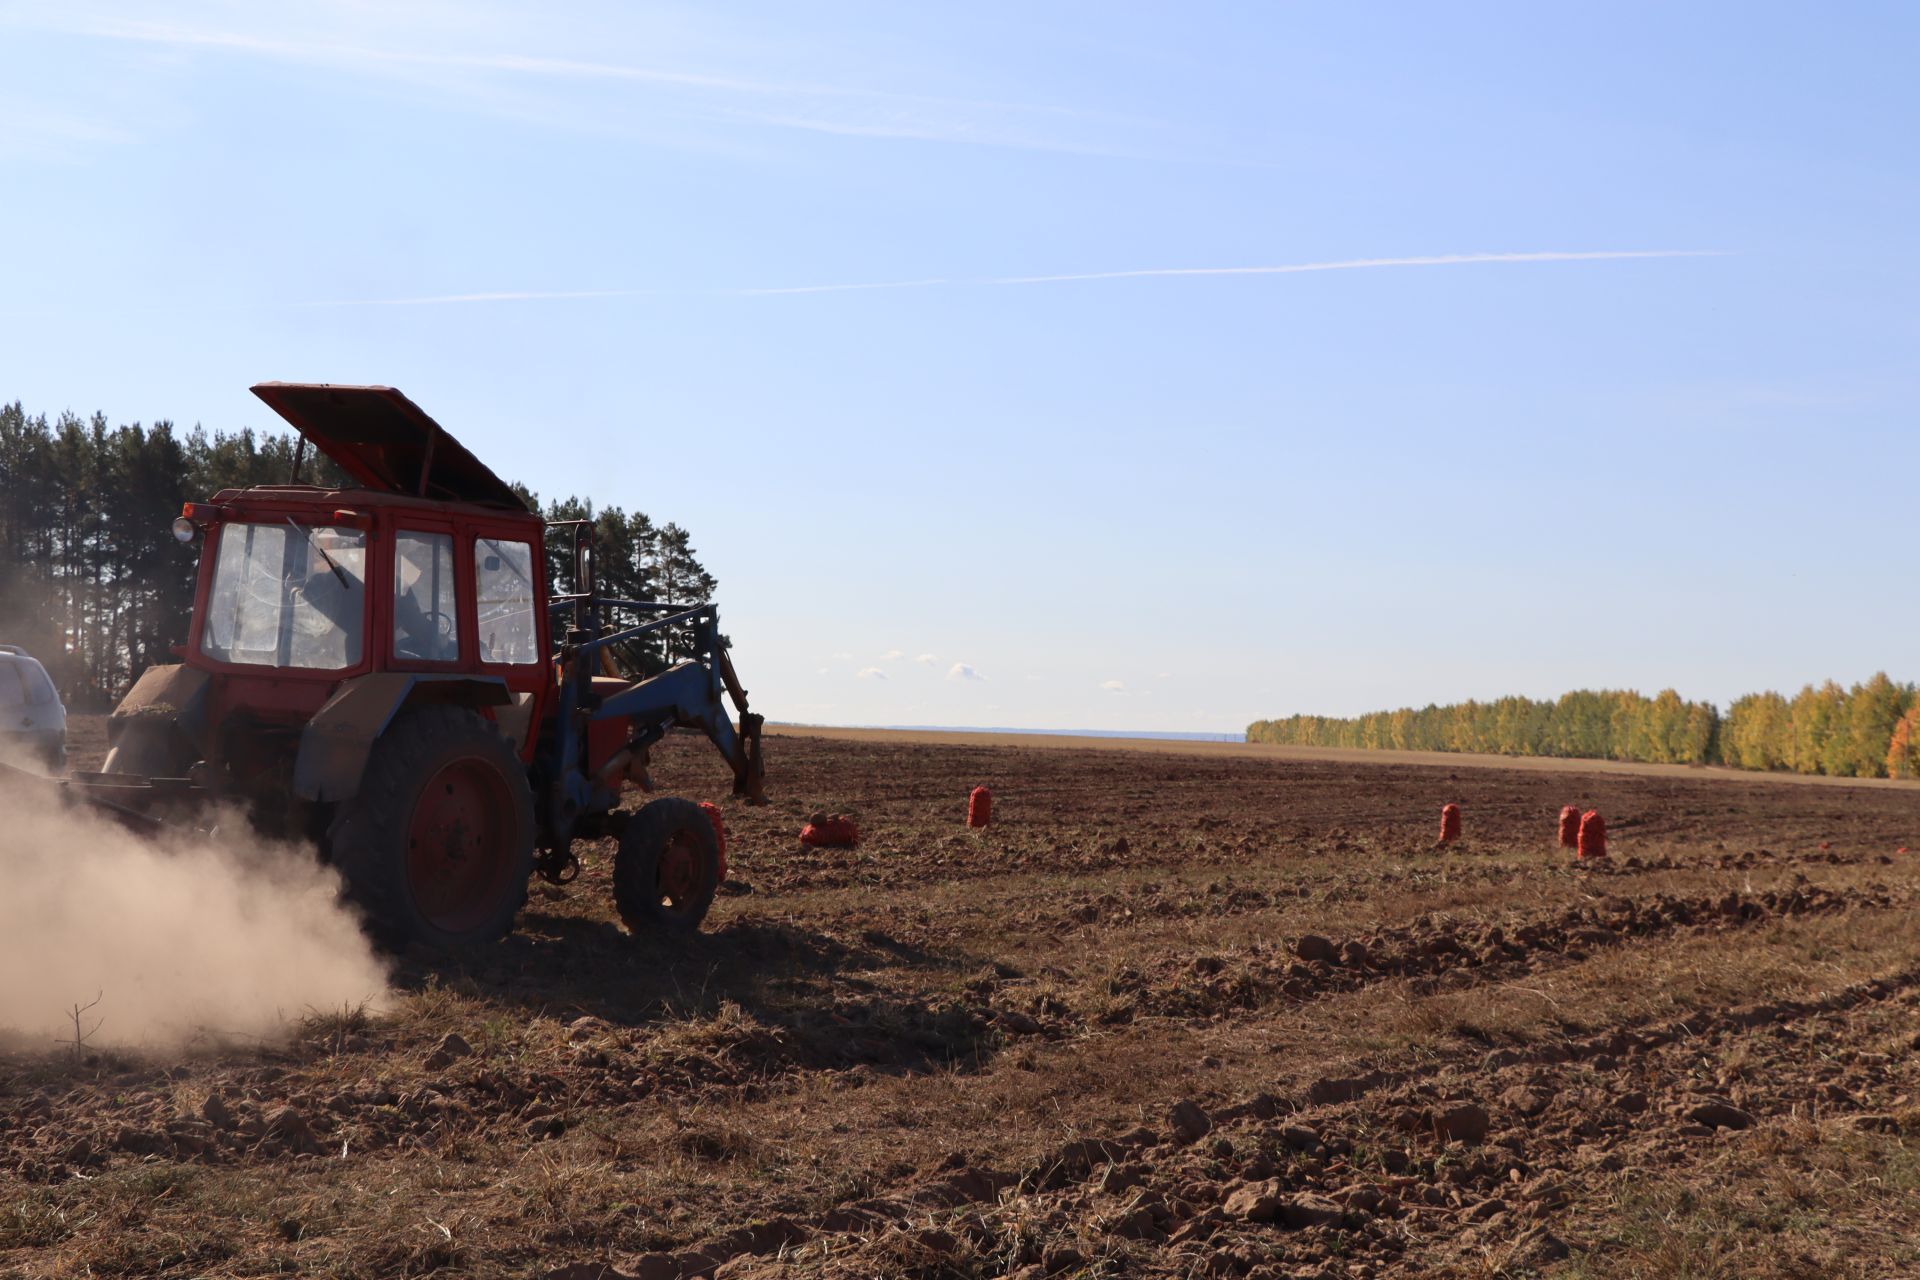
1570	826
979	807
1593	835
719	832
830	831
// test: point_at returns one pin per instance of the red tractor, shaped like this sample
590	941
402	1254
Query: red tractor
384	671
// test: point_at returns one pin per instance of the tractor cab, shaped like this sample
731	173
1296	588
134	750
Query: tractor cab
382	669
303	591
426	581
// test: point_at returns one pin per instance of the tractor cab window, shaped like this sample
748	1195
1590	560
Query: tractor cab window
286	595
503	599
425	616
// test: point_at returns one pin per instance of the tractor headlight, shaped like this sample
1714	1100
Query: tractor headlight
182	529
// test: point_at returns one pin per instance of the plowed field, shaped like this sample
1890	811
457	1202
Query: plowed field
1176	1013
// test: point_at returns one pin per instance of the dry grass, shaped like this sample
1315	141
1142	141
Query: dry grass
944	1000
1791	1203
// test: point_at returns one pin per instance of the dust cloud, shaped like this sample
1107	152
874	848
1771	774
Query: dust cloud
189	939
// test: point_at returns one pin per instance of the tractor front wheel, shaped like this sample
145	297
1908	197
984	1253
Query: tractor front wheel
438	845
667	868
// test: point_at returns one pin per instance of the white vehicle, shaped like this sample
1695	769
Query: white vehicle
33	723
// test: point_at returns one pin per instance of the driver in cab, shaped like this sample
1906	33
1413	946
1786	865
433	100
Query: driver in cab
423	602
328	600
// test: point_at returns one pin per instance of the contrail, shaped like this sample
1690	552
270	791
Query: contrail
1284	269
1365	264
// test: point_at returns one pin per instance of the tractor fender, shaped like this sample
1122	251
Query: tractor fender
177	692
335	744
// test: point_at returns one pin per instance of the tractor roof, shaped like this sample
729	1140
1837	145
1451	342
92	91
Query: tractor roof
322	499
387	442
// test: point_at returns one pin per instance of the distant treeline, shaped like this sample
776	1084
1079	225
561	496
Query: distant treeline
93	584
1869	731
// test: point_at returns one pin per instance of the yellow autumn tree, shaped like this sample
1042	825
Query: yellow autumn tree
1903	753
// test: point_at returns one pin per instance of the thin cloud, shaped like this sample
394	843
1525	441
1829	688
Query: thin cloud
576	295
963	671
937	282
927	659
1114	686
872	673
176	35
500	81
892	655
448	299
1369	264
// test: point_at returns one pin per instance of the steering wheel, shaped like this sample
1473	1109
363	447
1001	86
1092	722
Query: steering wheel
441	623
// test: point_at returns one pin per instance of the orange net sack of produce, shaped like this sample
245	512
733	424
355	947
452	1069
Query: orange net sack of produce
830	831
1570	826
1593	835
979	807
719	832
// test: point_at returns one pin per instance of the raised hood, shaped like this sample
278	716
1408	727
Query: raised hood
386	441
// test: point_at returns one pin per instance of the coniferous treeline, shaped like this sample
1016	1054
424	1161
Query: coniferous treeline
1871	730
93	584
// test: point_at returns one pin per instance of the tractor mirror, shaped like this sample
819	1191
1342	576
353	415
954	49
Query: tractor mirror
491	564
583	567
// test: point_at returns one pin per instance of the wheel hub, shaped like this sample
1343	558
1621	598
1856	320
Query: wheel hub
679	875
457	854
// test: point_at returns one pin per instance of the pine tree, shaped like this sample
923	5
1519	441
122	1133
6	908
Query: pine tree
92	581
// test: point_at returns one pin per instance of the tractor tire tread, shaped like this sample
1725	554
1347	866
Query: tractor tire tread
635	862
367	842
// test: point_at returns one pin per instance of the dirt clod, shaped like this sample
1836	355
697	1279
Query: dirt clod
1462	1123
1540	1246
1187	1122
1716	1114
291	1128
1254	1201
1314	949
452	1047
1017	1023
216	1112
1061	1257
1303	1211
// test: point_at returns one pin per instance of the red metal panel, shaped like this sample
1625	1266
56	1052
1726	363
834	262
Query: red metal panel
604	737
387	442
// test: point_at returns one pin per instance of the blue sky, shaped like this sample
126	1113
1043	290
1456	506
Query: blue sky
1610	382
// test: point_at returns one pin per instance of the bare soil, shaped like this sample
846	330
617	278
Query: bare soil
1176	1013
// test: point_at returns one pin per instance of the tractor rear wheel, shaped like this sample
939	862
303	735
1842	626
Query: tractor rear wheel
667	868
438	845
